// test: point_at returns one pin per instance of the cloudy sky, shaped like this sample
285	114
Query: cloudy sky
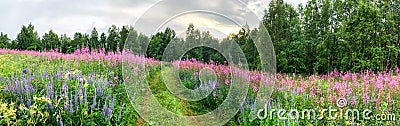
70	16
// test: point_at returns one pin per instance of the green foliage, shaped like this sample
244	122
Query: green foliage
28	39
113	39
4	40
159	42
50	40
94	40
349	35
323	35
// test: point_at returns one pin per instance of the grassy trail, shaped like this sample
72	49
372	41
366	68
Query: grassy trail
167	99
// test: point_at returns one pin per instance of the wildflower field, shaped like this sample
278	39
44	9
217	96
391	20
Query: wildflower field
87	88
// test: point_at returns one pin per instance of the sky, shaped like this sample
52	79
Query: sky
70	16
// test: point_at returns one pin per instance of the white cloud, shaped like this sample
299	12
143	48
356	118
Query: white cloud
70	16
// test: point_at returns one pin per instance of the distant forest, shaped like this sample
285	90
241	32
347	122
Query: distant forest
323	35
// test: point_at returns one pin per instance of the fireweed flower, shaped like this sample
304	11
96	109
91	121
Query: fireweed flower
214	84
393	84
354	100
115	79
255	88
389	99
366	98
226	81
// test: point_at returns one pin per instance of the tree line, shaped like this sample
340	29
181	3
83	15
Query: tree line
28	39
323	35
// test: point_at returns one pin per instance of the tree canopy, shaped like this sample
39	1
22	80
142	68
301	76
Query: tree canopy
323	35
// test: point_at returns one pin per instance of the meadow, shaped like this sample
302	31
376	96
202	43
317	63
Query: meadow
87	88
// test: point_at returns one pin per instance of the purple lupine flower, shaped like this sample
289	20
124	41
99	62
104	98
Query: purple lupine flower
58	75
19	99
76	98
120	112
80	95
105	109
49	91
29	102
24	71
195	77
65	89
109	112
65	86
98	91
51	105
29	72
112	103
61	122
354	100
84	96
210	83
65	105
94	102
17	87
82	79
215	84
71	107
107	82
46	76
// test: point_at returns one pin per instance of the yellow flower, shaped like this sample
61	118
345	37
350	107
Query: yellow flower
30	122
22	107
12	109
42	99
86	85
32	109
8	113
35	98
46	114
